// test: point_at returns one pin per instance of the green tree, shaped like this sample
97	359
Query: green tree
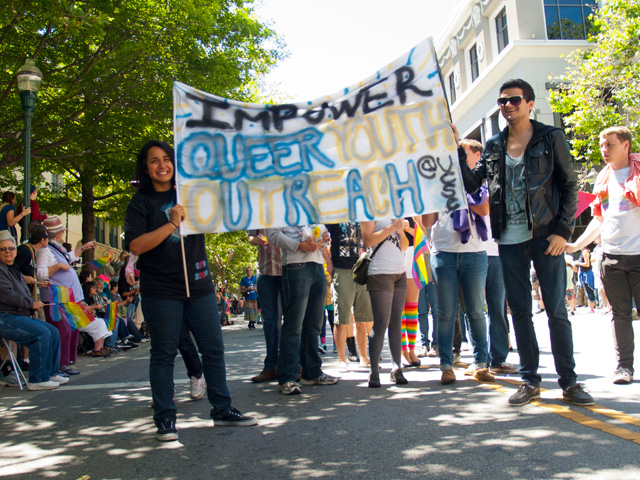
602	85
109	67
230	254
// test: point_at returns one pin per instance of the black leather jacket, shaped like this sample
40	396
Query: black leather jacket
551	184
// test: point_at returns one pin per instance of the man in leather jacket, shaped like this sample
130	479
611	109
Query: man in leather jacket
532	199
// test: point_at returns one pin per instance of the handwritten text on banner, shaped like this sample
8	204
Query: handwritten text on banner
380	149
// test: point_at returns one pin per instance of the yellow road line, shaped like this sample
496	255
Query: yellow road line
581	418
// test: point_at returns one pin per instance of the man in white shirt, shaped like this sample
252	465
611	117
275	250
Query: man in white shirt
616	218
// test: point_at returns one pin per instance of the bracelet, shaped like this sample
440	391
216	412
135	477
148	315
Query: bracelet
171	222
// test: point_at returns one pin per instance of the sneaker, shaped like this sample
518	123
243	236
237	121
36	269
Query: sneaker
233	418
422	352
447	377
483	375
577	395
143	340
505	368
71	371
471	370
265	376
290	388
132	345
166	430
50	385
622	376
323	379
353	358
456	358
59	379
10	380
343	367
198	388
322	349
374	380
433	352
525	394
398	377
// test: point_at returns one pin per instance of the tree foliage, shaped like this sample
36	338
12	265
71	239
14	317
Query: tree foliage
230	254
602	85
108	68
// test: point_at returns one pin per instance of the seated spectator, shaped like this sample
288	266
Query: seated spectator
123	313
16	306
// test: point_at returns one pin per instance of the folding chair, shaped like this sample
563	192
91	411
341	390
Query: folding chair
16	366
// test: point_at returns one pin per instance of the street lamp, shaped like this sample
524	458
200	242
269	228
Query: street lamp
29	78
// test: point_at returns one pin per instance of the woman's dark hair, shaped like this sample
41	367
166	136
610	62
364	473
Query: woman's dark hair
142	175
86	289
7	197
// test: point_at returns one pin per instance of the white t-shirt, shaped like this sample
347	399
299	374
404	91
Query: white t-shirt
389	257
621	218
445	239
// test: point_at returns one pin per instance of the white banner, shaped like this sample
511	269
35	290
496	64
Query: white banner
380	149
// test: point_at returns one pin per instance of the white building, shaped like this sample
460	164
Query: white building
490	41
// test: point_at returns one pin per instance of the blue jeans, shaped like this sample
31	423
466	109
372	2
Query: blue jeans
496	295
428	301
470	271
189	353
269	291
304	288
42	339
164	318
551	271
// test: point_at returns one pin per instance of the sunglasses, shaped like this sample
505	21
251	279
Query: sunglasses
515	100
7	249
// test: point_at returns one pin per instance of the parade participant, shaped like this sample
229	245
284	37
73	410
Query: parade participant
152	221
249	291
304	288
387	287
616	218
270	297
532	196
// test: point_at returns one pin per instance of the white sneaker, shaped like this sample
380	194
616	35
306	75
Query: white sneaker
43	385
343	367
59	379
456	358
323	379
198	388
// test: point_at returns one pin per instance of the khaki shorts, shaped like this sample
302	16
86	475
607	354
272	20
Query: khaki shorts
350	294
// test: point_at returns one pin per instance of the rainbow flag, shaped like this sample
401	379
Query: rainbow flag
419	268
110	315
59	294
77	315
98	263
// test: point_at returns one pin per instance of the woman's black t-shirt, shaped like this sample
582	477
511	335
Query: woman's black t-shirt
161	270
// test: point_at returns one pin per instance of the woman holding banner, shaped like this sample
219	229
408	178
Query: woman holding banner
152	225
387	286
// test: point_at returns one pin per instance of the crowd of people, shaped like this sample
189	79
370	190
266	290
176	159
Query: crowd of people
510	242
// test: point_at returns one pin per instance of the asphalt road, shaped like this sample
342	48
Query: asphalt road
99	425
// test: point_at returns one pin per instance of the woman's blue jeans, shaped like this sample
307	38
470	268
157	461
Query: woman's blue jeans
164	318
469	270
42	339
552	274
304	288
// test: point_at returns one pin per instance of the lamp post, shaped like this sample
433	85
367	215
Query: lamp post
29	78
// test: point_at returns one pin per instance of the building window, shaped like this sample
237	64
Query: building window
100	227
568	19
452	89
473	60
501	30
113	237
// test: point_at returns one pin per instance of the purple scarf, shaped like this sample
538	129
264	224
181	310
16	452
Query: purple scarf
461	219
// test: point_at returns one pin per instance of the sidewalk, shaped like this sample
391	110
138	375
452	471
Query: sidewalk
100	424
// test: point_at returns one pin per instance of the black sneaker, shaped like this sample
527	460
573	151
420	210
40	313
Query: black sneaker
398	377
525	394
233	418
166	430
577	395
